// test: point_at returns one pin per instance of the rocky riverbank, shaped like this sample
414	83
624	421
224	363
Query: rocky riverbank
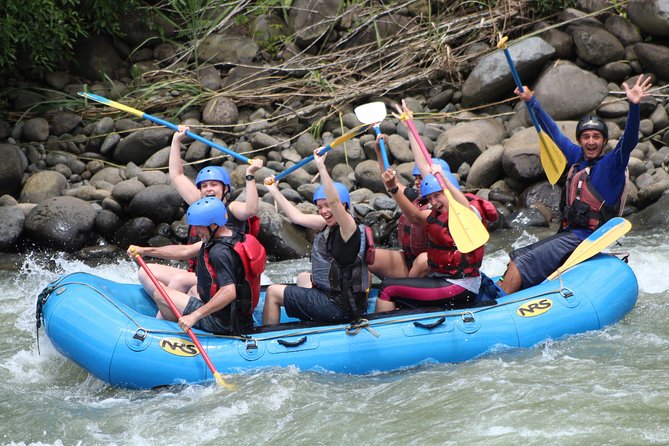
94	186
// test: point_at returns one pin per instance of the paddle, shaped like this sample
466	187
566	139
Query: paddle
335	142
162	122
464	225
552	158
608	233
177	313
374	113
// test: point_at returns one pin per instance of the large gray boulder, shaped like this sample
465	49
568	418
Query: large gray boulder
160	203
596	46
491	78
61	223
651	16
281	238
226	49
311	19
11	169
140	145
567	92
521	157
464	142
11	226
43	185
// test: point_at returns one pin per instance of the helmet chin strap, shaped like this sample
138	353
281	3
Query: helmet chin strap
212	232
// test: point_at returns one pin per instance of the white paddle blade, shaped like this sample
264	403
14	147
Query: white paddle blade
371	113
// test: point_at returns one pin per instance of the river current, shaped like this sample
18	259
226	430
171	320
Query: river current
602	387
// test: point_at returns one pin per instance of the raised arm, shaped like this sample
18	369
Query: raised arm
181	182
247	209
347	225
410	211
296	216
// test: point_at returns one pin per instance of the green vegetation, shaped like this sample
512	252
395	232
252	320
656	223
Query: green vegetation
41	33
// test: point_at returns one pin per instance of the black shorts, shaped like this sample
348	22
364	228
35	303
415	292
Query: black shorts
209	323
537	261
311	304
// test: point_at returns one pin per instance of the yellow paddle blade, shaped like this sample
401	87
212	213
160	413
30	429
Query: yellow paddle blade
221	382
465	226
552	159
359	130
117	105
608	233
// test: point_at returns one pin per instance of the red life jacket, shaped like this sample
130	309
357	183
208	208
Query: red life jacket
584	206
252	228
442	254
412	238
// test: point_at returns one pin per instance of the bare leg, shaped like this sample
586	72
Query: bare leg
163	273
420	267
179	299
182	281
303	280
271	312
511	281
384	305
389	263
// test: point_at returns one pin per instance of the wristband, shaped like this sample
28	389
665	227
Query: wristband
250	177
394	190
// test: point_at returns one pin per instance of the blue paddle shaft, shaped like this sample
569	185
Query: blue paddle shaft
308	159
197	137
382	145
519	84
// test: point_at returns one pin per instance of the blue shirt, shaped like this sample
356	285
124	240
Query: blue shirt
608	174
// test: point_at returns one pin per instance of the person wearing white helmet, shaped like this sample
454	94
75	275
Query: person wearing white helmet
223	304
339	256
211	181
595	188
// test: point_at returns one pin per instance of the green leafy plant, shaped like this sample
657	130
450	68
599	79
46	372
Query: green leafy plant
39	34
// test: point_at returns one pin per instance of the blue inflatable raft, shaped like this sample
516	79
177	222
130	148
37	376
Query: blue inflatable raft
110	329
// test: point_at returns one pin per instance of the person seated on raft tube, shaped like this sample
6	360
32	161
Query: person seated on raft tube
338	258
389	263
595	189
454	279
211	181
223	303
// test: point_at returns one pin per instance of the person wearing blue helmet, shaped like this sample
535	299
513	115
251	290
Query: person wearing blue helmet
389	263
595	188
339	274
224	299
211	181
452	278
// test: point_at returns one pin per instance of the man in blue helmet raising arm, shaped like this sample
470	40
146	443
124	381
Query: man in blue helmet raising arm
223	304
211	181
339	273
595	189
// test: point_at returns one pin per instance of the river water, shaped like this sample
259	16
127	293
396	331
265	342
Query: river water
604	387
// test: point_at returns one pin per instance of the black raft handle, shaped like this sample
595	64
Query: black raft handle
297	343
434	324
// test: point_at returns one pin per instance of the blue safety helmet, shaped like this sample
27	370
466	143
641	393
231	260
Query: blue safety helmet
319	194
429	185
207	211
213	173
444	166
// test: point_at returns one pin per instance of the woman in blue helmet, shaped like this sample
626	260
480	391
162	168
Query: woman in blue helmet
211	181
223	303
340	277
595	188
453	278
390	263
